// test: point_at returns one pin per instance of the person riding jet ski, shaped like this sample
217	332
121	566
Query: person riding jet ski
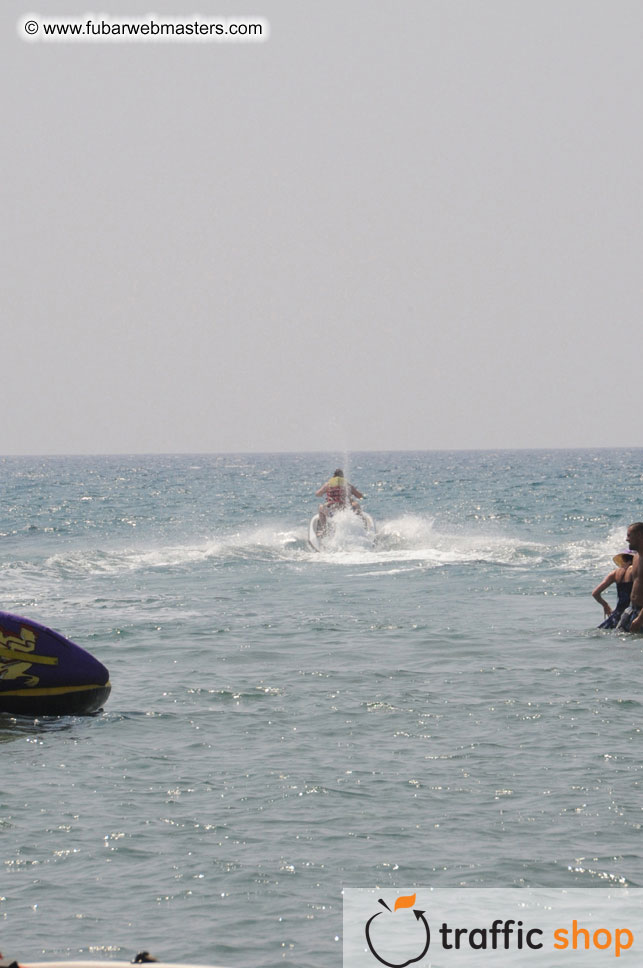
339	493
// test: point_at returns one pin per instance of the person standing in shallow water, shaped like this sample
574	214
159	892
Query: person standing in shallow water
632	618
622	576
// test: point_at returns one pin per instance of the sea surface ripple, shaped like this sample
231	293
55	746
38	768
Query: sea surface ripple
436	710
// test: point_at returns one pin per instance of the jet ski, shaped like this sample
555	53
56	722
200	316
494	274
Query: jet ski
343	528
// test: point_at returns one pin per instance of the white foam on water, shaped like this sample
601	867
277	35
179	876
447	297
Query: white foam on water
415	538
250	542
347	534
594	554
409	538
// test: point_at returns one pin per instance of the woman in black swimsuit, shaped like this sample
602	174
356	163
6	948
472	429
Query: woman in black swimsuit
622	575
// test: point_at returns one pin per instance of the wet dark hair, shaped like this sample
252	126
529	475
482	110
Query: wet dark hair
637	526
340	473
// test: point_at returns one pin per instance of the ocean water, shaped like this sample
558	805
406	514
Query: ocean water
438	709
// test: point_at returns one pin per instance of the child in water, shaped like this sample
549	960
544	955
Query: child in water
622	575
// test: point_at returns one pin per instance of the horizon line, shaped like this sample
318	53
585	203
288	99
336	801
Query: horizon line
343	451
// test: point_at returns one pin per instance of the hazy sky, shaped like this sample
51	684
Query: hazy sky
392	225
